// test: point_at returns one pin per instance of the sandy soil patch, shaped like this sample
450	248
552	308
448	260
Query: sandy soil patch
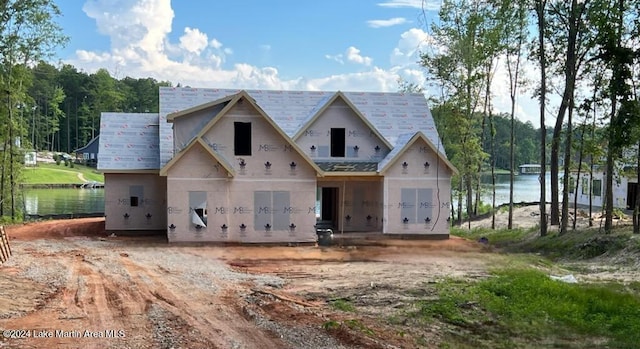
529	216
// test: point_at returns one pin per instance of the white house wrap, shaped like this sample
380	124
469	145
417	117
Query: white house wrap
269	166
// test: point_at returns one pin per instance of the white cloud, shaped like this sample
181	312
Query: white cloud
353	55
337	58
140	47
193	40
429	5
132	24
380	23
411	44
215	43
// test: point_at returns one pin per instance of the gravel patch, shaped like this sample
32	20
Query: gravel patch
199	271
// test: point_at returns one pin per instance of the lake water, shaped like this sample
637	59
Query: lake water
88	201
59	201
526	188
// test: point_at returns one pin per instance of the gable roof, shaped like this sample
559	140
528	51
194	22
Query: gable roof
326	103
404	142
391	114
165	169
231	101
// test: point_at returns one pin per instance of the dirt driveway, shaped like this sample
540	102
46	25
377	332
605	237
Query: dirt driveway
74	287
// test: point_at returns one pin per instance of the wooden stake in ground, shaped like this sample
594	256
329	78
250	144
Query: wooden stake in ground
5	249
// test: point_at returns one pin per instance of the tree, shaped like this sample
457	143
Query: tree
540	6
616	24
28	32
567	22
459	68
515	26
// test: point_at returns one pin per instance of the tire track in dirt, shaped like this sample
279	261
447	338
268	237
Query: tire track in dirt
213	317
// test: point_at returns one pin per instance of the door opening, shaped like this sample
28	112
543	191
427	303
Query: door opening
632	190
329	206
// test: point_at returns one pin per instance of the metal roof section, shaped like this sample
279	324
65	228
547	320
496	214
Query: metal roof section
403	142
128	142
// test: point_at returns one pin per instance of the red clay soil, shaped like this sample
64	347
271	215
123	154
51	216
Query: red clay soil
69	275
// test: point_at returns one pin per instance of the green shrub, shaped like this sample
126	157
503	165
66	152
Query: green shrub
343	305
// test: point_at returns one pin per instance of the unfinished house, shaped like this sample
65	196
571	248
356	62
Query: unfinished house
271	166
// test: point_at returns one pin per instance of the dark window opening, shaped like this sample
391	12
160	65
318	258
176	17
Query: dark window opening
133	201
242	138
337	142
597	187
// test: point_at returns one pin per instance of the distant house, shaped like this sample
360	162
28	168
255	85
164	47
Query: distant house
268	166
88	155
30	158
624	189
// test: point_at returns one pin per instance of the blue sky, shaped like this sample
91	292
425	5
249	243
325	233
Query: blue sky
348	45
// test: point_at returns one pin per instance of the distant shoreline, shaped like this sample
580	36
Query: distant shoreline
63	186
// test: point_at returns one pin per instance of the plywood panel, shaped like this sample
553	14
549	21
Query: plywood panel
150	214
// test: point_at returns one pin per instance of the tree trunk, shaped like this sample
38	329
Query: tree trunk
567	173
636	207
469	201
11	161
612	151
3	177
493	171
511	162
484	118
608	205
460	203
575	187
567	96
540	8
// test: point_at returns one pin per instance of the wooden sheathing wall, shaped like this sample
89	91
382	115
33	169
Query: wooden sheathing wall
149	214
357	133
239	207
417	192
359	203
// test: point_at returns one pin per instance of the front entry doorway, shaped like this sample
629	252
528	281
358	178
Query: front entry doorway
328	207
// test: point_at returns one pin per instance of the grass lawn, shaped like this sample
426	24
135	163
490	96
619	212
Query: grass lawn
520	306
59	174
